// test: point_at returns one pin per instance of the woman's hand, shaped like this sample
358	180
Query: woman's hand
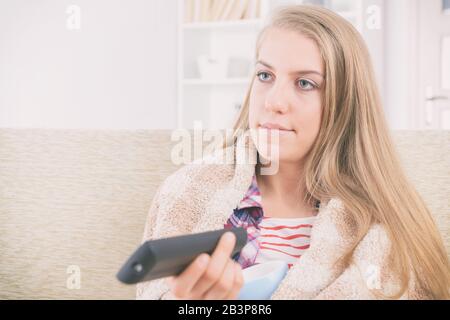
208	277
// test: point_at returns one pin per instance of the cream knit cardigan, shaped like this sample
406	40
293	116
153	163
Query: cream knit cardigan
202	195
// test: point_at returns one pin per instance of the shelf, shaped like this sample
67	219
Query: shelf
226	81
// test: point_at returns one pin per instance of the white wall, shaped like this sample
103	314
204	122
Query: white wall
400	73
118	71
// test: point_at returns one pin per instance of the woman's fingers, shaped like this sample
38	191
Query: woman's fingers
237	284
223	286
217	264
210	277
182	285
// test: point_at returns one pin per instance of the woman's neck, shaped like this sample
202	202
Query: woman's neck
287	179
285	187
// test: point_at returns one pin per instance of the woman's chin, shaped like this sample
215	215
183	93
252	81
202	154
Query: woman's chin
267	158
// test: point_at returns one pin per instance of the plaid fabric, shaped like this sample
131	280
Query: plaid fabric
249	214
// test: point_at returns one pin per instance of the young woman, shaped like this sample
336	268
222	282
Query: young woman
337	208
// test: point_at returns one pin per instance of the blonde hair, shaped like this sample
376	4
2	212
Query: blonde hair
353	156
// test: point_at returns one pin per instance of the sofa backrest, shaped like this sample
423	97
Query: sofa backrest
74	202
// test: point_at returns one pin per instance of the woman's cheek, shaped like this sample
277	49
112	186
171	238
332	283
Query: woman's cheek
308	136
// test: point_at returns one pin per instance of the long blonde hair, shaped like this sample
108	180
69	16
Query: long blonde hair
353	156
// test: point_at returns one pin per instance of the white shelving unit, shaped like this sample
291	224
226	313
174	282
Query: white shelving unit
215	101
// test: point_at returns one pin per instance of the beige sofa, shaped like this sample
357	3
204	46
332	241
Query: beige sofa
76	201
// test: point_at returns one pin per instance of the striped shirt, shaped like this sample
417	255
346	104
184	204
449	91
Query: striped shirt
283	239
268	238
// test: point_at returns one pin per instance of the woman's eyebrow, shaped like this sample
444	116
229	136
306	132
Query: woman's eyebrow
294	72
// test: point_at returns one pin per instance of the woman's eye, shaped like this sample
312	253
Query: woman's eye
262	73
305	84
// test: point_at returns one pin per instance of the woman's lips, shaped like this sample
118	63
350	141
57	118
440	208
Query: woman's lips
275	126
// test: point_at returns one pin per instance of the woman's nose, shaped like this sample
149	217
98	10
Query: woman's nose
277	100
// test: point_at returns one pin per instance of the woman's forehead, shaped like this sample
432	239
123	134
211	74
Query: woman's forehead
290	51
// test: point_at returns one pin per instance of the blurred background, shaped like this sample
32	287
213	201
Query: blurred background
92	90
138	64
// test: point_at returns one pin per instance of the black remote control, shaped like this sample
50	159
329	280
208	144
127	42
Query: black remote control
170	256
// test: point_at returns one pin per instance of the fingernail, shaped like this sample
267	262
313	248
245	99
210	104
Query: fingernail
203	260
229	237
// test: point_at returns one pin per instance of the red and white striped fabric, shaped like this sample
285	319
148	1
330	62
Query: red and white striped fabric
283	239
268	238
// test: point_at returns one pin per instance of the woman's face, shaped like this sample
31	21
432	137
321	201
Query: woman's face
286	97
